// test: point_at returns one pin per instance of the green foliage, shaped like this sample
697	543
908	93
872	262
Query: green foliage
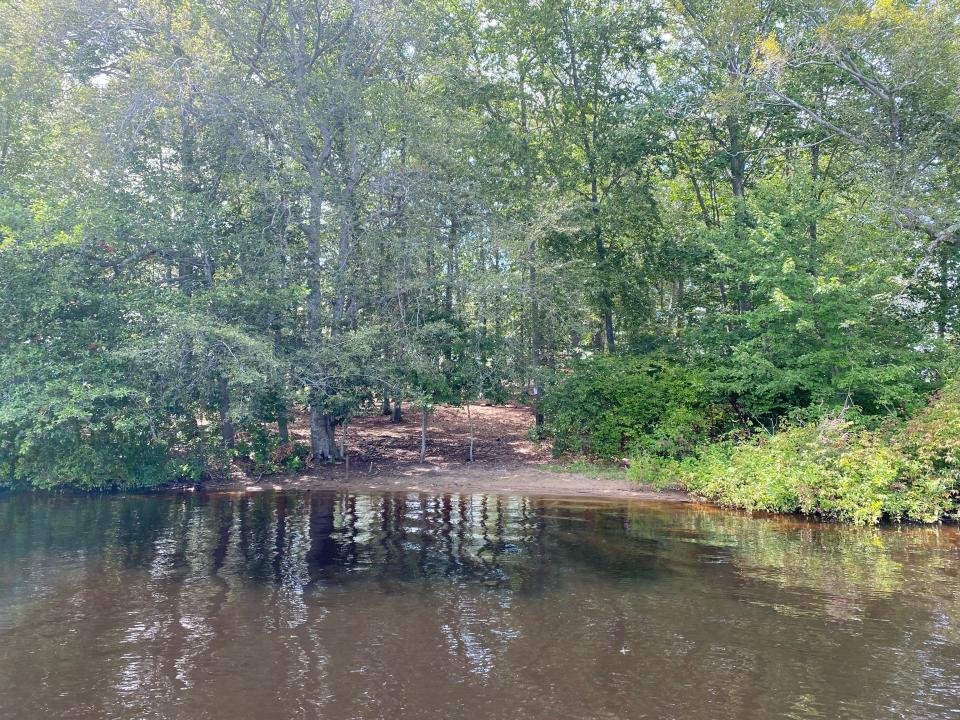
610	406
835	469
931	445
68	432
74	418
217	216
815	326
266	454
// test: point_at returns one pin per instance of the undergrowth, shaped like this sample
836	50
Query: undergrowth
833	469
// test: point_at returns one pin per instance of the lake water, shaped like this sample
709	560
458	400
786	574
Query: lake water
327	605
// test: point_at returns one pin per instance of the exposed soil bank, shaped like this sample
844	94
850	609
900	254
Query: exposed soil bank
384	456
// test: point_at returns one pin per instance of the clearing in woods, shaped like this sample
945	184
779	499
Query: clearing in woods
384	455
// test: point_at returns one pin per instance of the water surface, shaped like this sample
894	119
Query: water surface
337	605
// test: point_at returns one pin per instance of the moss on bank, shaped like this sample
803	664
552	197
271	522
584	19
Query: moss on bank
832	469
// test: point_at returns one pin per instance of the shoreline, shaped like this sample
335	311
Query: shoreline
477	478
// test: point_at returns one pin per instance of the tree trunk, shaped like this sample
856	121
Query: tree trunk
534	343
470	423
342	300
738	169
226	426
606	304
679	304
423	436
451	275
945	294
188	181
738	160
323	441
814	177
283	426
397	411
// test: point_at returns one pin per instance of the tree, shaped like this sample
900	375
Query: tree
216	217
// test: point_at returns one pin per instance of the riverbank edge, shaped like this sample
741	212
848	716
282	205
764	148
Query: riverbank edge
467	478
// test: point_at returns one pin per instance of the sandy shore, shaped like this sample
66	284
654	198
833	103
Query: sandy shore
384	456
476	478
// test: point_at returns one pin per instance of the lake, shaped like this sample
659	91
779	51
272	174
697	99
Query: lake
345	605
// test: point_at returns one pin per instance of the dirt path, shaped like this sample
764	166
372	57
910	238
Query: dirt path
385	456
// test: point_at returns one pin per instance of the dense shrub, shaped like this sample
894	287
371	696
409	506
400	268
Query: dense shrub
64	431
265	454
609	406
834	469
931	445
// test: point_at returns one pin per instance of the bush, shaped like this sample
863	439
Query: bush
81	436
266	454
834	469
931	445
610	406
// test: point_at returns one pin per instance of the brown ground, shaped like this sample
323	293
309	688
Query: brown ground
385	456
501	435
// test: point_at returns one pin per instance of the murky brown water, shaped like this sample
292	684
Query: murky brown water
413	606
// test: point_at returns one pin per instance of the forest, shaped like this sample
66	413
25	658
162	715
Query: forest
716	241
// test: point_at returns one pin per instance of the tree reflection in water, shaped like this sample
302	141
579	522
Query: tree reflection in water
339	604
